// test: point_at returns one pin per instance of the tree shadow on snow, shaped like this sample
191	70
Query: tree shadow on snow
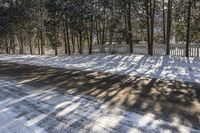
166	99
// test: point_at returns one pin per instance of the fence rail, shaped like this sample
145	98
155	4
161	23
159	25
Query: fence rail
158	49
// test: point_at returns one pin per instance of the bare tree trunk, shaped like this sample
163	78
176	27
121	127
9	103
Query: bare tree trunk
169	23
42	42
7	45
56	50
91	35
188	27
148	25
38	45
126	28
68	41
42	51
88	40
30	46
97	33
65	41
152	6
12	45
21	44
73	42
77	42
164	25
100	33
104	26
106	29
129	22
81	43
111	29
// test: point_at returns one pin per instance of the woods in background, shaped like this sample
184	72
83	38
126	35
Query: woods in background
79	24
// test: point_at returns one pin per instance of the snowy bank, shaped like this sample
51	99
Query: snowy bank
164	67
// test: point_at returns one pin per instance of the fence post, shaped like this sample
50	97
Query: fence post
198	48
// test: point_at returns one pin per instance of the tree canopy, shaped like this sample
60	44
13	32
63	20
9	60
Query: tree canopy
76	24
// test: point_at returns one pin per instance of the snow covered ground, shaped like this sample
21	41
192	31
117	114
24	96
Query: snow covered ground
164	67
25	109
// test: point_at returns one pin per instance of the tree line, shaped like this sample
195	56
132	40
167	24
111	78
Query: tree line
76	24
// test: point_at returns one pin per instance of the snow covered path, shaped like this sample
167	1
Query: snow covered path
163	67
25	109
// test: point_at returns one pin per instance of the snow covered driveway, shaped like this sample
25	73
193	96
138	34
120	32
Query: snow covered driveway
164	67
25	109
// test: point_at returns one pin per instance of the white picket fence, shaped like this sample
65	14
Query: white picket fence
142	48
158	49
